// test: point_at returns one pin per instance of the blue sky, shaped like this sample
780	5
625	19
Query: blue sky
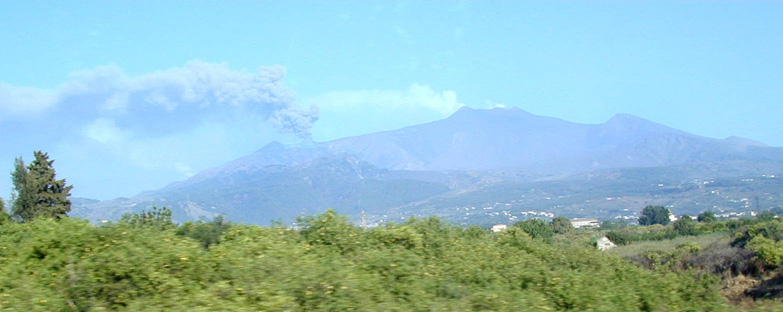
128	96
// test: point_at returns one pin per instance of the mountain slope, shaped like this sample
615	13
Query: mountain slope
277	192
512	139
470	152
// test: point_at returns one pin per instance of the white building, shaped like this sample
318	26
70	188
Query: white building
498	227
583	222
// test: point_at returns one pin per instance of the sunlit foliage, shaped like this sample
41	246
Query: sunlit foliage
328	264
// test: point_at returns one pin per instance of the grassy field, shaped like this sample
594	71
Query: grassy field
669	245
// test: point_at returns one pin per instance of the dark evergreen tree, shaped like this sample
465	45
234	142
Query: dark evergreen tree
37	192
654	215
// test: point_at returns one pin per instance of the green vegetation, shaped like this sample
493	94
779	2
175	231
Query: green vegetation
685	226
561	225
329	264
703	241
158	218
746	254
536	228
147	262
764	238
4	217
654	215
639	234
707	216
36	191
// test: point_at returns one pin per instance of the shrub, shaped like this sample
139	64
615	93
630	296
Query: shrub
328	265
206	233
707	217
685	226
619	238
159	218
536	228
654	215
562	225
765	216
767	250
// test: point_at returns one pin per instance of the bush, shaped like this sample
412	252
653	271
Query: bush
206	233
328	265
654	215
561	225
613	225
707	217
619	238
685	226
536	228
640	234
159	218
721	258
771	229
767	250
765	216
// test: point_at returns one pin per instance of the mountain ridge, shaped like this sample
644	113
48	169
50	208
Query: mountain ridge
472	149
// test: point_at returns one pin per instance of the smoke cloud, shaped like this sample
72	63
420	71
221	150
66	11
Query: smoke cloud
169	99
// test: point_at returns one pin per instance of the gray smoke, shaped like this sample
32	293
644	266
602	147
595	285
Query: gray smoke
195	90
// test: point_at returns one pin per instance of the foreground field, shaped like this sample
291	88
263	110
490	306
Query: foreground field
700	241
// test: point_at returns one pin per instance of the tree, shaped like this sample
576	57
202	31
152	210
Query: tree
4	217
21	195
654	215
36	191
685	226
766	216
207	233
561	225
159	218
707	217
536	228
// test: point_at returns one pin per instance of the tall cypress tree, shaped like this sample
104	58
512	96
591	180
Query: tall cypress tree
3	215
22	196
38	193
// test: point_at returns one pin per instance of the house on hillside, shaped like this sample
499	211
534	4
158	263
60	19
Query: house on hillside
584	223
498	227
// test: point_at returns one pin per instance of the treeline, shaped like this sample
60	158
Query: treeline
145	262
684	226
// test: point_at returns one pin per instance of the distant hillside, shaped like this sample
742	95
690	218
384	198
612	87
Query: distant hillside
278	192
438	166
